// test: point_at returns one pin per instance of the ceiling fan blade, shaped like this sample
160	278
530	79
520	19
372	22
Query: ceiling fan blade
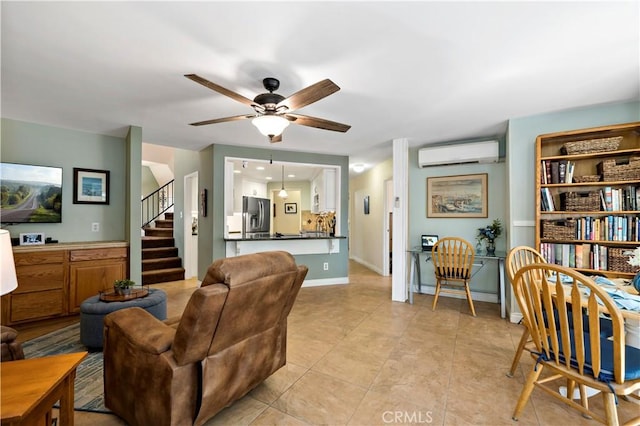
217	88
319	123
274	139
309	95
222	120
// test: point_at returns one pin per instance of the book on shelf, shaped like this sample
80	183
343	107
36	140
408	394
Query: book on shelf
555	172
572	255
608	206
571	165
578	255
562	171
547	166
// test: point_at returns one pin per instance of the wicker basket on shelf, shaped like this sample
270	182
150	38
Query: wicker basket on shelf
559	229
618	260
615	170
580	201
590	146
586	178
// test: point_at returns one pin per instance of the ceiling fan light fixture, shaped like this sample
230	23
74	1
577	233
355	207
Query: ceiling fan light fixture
270	125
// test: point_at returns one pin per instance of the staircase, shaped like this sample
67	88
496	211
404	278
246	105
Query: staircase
160	261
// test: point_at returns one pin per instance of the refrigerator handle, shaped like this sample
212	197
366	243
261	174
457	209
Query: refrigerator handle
261	208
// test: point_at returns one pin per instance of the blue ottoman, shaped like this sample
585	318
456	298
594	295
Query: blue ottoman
93	310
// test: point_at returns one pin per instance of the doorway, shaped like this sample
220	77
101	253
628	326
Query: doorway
191	225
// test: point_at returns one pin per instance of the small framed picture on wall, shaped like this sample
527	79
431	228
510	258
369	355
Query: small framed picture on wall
290	208
90	186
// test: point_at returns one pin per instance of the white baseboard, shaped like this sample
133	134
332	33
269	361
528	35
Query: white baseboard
325	281
515	317
368	265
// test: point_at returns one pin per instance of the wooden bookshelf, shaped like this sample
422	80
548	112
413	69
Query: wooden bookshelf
592	203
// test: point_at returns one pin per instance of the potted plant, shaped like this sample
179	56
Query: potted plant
488	235
123	287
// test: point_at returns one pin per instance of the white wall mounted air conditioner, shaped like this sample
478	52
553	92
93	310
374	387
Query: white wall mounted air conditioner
471	152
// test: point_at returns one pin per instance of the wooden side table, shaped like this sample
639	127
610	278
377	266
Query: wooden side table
30	387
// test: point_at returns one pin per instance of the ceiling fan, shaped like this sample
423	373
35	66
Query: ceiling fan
273	111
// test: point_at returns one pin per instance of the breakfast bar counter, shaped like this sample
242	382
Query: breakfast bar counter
304	243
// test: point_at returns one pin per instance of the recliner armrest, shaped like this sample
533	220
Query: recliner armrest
141	328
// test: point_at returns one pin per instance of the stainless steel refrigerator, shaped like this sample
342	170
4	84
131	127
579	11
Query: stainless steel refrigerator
255	215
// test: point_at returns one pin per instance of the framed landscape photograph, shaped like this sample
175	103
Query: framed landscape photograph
90	186
290	208
458	196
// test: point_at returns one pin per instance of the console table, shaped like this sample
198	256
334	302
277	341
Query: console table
479	260
30	387
54	279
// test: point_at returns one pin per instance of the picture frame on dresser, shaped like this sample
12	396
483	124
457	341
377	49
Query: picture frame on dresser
32	238
90	186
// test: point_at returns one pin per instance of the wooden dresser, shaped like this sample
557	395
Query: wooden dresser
53	279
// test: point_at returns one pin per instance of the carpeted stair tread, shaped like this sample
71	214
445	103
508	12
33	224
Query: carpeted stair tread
154	242
162	275
159	252
161	263
164	223
158	232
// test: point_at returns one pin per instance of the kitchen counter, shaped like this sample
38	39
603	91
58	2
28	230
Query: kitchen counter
277	236
306	243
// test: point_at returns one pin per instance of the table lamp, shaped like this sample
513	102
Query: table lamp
8	279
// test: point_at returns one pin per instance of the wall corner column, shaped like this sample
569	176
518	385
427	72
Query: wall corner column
399	289
133	210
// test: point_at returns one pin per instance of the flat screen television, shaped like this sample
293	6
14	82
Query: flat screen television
30	194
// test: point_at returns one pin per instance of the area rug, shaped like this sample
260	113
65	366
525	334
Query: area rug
89	390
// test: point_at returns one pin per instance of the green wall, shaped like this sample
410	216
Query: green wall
38	144
185	163
485	279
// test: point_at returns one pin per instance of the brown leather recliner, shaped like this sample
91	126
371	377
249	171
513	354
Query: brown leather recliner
10	349
231	337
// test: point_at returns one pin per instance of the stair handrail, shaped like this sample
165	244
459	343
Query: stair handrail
156	203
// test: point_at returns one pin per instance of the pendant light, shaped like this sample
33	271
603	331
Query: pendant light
283	193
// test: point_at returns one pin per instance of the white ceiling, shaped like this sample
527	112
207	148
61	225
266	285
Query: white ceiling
426	71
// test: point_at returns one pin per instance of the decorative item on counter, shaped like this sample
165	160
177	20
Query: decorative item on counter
488	235
194	226
634	260
332	224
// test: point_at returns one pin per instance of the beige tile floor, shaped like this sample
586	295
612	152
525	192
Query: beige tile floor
357	358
